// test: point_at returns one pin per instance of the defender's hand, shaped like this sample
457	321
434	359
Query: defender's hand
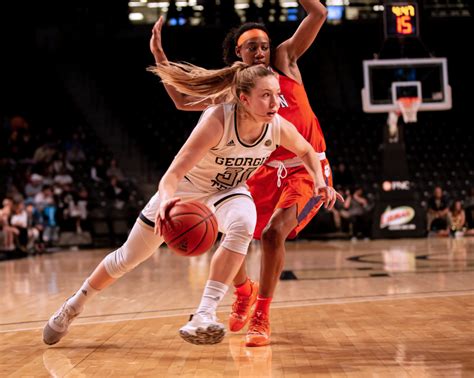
156	46
328	195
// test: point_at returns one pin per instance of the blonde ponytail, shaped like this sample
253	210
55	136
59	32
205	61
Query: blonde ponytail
210	85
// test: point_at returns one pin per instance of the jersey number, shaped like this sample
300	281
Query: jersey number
234	176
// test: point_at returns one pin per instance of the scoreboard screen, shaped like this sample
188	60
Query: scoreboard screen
401	20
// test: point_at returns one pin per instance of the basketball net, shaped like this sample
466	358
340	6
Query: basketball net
409	108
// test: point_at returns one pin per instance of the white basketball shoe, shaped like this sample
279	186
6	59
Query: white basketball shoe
202	329
58	324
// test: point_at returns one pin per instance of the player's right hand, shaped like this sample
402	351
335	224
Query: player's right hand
163	213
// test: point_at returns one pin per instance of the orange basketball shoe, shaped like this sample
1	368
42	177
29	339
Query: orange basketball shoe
259	330
241	307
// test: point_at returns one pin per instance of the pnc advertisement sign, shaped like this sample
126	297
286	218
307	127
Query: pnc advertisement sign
388	186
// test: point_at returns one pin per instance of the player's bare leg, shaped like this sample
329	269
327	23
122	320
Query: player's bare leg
140	245
273	259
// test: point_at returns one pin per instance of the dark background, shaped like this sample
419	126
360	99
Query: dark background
65	62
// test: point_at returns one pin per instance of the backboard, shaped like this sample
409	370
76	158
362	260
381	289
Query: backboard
386	80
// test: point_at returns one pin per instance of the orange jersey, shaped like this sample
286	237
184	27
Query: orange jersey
296	109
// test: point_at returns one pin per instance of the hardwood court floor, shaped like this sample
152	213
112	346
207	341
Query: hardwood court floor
398	308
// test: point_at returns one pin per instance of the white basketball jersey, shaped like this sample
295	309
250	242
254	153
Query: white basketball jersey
233	161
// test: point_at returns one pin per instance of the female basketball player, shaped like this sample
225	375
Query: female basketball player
282	187
229	143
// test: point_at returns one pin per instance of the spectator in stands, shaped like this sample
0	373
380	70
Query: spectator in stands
116	193
63	178
44	153
336	212
75	154
114	170
44	198
438	209
61	163
77	209
66	196
19	220
469	210
34	186
48	175
99	171
50	225
7	232
357	212
457	217
35	228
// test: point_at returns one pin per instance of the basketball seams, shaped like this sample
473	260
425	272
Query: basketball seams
215	229
190	228
202	237
210	214
201	207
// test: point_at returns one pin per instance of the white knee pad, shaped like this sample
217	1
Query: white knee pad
237	218
140	245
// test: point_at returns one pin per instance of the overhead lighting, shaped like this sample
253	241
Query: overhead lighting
161	4
133	4
290	4
338	3
136	16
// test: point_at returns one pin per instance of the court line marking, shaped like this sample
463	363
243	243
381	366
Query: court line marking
281	305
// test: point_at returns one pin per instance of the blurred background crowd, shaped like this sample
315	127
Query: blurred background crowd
86	131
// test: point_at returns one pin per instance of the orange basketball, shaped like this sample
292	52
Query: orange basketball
191	229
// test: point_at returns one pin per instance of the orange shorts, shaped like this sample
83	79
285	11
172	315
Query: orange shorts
296	189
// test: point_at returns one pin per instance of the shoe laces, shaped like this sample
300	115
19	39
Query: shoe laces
241	303
208	317
64	316
259	323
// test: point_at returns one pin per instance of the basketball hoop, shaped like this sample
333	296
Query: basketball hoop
409	108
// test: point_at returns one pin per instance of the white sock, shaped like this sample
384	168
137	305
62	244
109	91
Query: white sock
84	294
213	294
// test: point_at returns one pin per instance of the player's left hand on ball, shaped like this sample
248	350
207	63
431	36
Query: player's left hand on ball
163	213
329	195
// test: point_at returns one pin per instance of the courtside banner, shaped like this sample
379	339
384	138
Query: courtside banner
398	219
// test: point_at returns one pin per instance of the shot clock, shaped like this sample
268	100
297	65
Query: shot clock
401	20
